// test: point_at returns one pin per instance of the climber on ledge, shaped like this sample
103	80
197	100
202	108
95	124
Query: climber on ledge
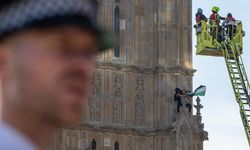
187	97
177	98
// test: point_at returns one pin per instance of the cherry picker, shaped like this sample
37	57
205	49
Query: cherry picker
228	43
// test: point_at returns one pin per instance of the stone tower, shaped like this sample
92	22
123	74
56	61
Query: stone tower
131	104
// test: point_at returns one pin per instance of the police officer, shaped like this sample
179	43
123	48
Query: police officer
47	55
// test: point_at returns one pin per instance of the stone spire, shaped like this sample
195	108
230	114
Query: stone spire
198	106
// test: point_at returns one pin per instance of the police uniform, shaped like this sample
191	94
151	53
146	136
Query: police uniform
20	15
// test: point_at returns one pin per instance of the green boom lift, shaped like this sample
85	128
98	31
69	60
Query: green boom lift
229	46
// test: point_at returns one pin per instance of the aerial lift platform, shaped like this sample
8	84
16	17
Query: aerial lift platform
228	43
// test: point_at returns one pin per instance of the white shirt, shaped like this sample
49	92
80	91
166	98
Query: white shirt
11	139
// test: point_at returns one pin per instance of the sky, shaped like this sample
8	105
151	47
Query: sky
221	112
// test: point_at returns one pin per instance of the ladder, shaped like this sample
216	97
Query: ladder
239	82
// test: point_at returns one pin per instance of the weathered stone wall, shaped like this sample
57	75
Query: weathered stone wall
131	99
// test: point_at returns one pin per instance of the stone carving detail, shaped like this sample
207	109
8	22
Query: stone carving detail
118	98
72	140
184	137
109	2
140	100
95	105
139	9
184	130
198	106
84	140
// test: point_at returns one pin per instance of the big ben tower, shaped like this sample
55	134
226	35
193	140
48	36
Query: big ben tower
131	104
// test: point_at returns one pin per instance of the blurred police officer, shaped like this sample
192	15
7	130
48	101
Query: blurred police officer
47	51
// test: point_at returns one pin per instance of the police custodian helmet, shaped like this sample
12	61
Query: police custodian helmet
17	15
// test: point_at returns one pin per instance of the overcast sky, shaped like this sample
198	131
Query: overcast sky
221	112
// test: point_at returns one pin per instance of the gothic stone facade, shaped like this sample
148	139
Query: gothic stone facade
131	104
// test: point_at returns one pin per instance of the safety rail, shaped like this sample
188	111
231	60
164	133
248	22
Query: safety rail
208	42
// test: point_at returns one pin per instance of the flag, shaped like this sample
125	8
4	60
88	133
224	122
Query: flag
200	91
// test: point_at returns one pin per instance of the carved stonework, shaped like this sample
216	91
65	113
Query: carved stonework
118	98
198	106
95	104
109	2
131	101
84	140
185	131
140	100
71	140
185	137
139	8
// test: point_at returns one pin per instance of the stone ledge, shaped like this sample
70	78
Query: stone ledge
127	131
146	70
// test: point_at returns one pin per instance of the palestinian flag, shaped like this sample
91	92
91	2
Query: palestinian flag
200	91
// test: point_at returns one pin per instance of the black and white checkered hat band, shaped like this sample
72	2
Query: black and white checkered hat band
17	15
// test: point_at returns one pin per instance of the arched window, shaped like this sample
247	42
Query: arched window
117	28
93	144
116	145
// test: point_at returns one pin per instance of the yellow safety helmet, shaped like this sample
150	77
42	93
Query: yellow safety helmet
215	9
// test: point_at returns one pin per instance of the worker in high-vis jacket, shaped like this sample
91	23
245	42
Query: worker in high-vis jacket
231	25
199	16
215	23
